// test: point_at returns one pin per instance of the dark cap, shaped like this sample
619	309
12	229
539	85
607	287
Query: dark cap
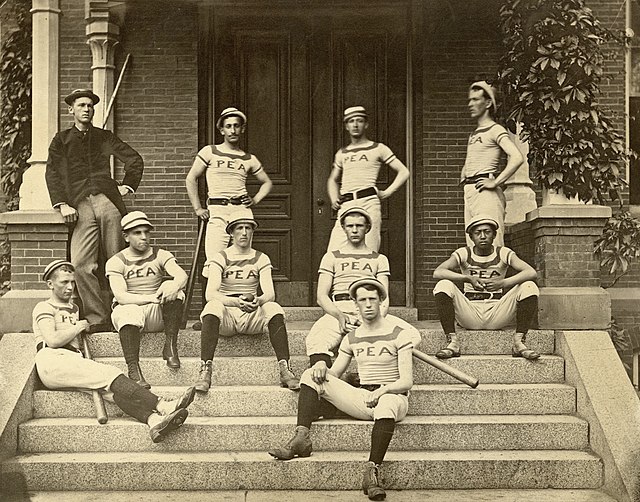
81	93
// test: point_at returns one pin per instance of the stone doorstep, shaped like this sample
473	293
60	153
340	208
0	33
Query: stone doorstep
489	432
323	470
496	495
242	401
473	342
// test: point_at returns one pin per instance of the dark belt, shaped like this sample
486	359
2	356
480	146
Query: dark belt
474	179
372	387
42	345
235	201
483	295
358	194
341	297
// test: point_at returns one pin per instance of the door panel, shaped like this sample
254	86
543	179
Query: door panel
293	72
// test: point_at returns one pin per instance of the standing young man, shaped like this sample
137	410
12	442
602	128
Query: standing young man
354	175
226	167
81	188
233	305
61	365
487	144
143	300
485	304
383	353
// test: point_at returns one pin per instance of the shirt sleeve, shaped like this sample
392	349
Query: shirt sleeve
386	155
54	175
114	266
408	339
345	347
218	262
499	133
506	255
256	165
460	255
383	266
327	265
337	161
41	311
132	160
264	262
165	257
204	156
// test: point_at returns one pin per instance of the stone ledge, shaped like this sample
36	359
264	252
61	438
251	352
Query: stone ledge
569	211
16	308
574	308
31	217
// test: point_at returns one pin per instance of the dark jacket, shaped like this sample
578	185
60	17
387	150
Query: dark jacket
79	165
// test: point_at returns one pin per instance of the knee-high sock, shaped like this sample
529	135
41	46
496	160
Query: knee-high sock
380	438
130	341
525	312
278	337
314	358
308	406
209	337
446	312
172	316
134	400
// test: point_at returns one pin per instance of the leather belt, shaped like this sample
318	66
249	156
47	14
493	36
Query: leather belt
372	387
223	201
41	345
358	194
341	297
483	295
476	178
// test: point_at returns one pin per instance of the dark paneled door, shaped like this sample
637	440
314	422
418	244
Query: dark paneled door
293	71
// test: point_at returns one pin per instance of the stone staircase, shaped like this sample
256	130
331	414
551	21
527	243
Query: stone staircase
517	430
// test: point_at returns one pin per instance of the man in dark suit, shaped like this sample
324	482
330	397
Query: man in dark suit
81	188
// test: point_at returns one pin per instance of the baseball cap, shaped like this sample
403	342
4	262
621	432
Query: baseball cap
481	219
55	264
134	219
81	93
241	217
370	281
230	112
489	89
355	210
354	111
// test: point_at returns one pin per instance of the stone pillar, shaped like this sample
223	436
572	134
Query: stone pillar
518	191
46	20
103	36
568	271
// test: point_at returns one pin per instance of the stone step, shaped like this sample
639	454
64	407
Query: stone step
489	432
265	400
323	470
473	342
486	495
264	370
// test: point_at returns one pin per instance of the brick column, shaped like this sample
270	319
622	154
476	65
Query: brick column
36	238
568	271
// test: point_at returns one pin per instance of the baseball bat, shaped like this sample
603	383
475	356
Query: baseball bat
192	273
449	370
98	402
107	112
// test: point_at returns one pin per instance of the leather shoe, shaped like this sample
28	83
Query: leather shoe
168	423
186	399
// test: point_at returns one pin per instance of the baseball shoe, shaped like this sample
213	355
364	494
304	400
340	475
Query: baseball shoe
170	351
204	382
166	407
135	373
298	446
197	326
451	350
167	424
287	378
371	482
519	349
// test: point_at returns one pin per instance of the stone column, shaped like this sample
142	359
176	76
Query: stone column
46	21
518	191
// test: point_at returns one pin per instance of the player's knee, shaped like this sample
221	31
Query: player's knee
131	315
272	309
214	308
306	378
444	286
527	289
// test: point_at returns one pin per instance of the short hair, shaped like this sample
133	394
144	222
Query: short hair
61	268
344	218
368	287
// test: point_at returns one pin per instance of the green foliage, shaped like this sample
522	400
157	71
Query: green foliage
619	244
550	75
15	89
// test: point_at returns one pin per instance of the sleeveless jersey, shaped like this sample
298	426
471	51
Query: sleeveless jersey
377	353
64	315
483	151
240	273
142	275
227	172
483	267
360	165
345	268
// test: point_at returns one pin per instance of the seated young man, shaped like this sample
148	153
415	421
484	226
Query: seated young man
61	365
143	300
233	305
383	354
485	303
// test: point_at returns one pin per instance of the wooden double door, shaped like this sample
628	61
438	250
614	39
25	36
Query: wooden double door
293	70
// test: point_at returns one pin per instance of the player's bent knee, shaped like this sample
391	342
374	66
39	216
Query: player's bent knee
132	315
214	308
444	286
527	289
272	309
306	379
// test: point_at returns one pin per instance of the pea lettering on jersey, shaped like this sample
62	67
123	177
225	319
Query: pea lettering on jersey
231	164
139	272
240	275
475	138
372	352
64	318
356	158
356	265
484	274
